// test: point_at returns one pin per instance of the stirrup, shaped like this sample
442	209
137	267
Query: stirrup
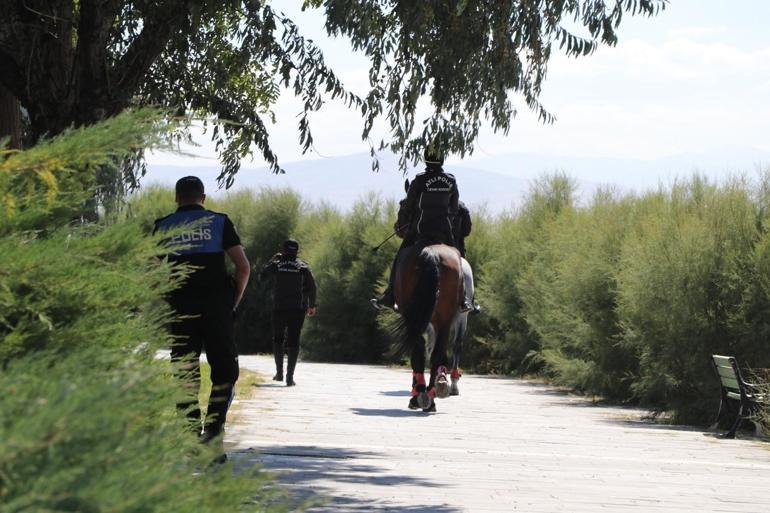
470	307
379	305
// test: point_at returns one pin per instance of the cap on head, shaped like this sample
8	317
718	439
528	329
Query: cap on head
291	247
189	186
433	157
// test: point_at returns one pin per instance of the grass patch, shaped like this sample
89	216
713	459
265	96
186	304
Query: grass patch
245	388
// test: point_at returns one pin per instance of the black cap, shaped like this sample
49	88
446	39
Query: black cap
433	157
189	186
291	246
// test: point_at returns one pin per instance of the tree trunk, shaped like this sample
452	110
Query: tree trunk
10	118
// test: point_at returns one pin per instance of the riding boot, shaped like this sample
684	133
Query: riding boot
470	305
278	354
388	298
290	365
469	301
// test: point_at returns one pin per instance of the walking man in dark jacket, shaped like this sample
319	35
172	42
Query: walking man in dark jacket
294	294
206	301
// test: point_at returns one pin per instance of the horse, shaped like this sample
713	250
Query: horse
429	291
459	327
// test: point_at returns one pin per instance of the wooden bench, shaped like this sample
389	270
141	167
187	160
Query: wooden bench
738	397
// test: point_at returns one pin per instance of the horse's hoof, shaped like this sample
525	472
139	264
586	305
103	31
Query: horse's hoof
454	389
424	400
413	403
431	408
442	386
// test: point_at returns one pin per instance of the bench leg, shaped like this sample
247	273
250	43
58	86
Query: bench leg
715	425
734	428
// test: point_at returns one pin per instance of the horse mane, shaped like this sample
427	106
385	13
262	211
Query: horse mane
416	313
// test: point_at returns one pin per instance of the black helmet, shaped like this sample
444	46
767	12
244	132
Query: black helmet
291	247
433	157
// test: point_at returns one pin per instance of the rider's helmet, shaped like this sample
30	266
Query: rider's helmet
433	158
291	248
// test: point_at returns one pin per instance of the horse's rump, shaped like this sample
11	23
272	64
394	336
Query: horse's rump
429	289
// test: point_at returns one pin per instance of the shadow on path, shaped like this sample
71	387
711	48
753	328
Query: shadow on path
396	393
387	412
307	472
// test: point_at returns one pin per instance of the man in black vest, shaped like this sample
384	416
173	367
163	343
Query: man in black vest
426	214
294	294
206	301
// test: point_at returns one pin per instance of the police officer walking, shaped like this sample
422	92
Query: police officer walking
294	295
206	301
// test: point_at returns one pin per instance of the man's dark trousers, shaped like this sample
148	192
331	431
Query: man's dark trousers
206	325
287	326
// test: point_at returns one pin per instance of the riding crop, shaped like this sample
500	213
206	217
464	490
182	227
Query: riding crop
376	248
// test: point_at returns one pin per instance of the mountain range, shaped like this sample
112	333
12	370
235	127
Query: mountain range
494	182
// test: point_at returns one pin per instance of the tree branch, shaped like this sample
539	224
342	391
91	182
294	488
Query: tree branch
12	76
90	72
158	26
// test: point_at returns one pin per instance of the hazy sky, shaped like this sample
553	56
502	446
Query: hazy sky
694	78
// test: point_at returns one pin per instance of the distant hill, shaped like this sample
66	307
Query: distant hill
497	183
343	180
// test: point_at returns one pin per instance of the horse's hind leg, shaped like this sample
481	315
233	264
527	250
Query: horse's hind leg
439	381
457	347
420	398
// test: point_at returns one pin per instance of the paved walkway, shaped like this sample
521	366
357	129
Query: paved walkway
344	439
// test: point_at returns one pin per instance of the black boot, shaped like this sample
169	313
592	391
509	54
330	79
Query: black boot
388	298
470	305
291	365
278	354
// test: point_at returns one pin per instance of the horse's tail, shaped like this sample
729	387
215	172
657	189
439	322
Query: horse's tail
418	310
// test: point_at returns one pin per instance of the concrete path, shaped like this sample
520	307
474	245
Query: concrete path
344	439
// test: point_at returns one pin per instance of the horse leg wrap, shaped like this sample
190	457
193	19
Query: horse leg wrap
418	378
456	373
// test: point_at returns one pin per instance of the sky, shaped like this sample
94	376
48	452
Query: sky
694	78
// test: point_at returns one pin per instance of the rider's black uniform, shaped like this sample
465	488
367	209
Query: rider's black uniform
430	206
461	227
294	291
205	302
426	214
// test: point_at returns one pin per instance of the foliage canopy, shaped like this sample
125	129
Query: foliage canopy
77	62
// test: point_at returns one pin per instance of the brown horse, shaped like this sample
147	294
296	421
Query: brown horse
429	293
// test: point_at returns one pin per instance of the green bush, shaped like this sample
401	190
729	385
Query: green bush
93	430
570	294
687	289
518	241
87	421
625	296
348	273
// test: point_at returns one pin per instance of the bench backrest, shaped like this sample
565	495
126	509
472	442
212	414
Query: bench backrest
729	374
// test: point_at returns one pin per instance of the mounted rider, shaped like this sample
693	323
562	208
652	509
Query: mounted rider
428	213
461	228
